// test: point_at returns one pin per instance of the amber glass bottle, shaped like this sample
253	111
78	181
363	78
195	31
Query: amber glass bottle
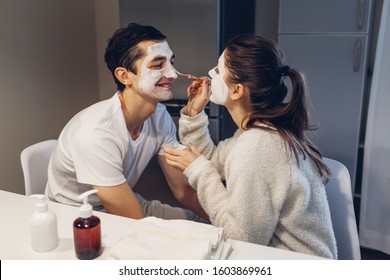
87	231
87	237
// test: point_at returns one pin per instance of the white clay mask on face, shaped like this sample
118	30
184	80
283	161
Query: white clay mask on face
219	89
150	78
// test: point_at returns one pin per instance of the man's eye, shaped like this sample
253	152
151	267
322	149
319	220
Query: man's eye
157	66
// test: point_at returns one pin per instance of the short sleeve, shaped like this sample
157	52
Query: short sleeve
98	158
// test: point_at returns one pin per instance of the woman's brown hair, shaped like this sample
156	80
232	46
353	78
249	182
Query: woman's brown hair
258	63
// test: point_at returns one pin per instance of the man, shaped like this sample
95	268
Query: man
108	145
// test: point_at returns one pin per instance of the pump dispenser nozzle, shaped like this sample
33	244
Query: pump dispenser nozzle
86	208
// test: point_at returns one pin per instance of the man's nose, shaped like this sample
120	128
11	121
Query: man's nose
170	72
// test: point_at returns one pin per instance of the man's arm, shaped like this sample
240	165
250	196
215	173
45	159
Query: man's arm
120	200
181	189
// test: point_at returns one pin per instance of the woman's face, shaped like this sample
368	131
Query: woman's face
219	88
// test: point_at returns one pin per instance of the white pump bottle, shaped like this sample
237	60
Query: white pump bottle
43	227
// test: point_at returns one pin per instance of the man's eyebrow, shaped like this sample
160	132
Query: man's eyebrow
159	58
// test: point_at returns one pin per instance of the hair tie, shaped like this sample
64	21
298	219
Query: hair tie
285	70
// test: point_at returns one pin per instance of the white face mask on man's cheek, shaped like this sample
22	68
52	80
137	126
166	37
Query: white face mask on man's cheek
149	77
219	89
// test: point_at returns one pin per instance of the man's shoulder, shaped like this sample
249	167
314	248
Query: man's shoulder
100	114
104	106
101	121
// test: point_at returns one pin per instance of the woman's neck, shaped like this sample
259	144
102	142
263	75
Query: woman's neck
239	115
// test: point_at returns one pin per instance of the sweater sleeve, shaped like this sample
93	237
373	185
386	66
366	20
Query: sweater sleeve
245	207
194	130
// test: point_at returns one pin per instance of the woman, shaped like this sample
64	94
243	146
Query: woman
265	184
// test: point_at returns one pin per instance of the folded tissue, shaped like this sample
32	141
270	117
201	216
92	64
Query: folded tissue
155	238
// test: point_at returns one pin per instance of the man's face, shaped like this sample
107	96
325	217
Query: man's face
219	88
156	73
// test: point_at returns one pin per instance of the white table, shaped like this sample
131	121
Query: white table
16	210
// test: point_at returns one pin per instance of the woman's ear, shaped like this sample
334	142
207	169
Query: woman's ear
238	92
123	76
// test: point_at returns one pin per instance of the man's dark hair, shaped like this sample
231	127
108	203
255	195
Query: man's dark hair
122	49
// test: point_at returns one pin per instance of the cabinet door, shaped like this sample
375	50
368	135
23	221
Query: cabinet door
334	67
324	16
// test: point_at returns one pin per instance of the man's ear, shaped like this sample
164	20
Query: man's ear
238	92
123	76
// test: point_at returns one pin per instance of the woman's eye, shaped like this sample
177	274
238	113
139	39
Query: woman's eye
216	70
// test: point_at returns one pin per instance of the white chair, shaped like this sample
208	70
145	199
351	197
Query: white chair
35	161
339	193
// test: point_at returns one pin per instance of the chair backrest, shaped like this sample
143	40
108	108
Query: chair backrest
339	193
35	161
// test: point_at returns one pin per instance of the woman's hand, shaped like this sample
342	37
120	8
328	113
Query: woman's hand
198	96
181	159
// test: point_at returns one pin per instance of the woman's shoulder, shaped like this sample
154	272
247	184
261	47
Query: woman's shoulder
263	148
257	137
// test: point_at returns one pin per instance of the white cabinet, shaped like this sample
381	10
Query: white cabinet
324	16
327	41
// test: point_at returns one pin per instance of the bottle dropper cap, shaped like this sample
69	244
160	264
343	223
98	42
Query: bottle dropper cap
85	210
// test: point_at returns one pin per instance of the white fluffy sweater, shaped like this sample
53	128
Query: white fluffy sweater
251	186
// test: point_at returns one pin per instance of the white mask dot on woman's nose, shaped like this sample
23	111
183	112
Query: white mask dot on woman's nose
212	73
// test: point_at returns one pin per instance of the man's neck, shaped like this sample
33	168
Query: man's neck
136	110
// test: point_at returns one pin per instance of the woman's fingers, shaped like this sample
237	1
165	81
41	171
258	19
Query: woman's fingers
180	159
201	85
174	158
172	151
193	88
194	150
174	164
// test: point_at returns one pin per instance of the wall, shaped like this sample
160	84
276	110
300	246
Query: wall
267	18
106	22
48	72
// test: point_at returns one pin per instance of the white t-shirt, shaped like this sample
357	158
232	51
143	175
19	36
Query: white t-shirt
95	148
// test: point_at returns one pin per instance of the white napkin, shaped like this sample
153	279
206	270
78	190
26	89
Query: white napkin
155	238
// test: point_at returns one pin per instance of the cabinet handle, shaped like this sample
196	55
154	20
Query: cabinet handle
362	4
356	55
